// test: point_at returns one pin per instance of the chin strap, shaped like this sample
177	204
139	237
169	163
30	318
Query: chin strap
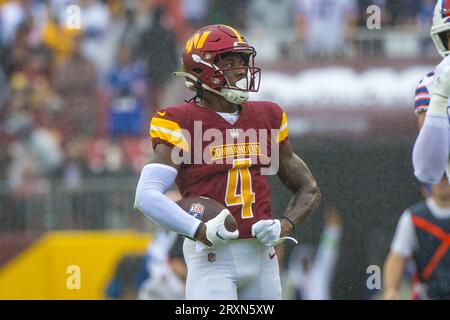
233	96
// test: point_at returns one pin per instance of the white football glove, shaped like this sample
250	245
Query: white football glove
268	232
216	232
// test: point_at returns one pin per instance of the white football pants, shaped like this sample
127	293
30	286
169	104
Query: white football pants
243	269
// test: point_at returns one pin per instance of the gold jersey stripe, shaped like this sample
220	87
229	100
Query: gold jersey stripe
164	123
283	133
283	119
172	137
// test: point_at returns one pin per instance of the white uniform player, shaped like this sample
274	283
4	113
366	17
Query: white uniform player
431	150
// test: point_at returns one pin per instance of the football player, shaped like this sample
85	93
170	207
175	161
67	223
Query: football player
431	149
226	164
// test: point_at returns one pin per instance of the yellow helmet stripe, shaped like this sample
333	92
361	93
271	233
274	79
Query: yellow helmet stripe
236	33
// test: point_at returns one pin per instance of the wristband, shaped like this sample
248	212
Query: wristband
290	221
198	230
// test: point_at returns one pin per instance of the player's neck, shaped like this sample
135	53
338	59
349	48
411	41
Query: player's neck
442	202
218	104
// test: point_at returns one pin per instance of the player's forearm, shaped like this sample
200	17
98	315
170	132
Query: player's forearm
150	200
296	176
431	149
393	273
430	154
303	204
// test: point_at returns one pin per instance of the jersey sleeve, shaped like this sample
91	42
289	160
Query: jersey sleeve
166	129
404	241
423	94
282	126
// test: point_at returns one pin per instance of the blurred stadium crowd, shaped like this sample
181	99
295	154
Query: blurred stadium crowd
75	103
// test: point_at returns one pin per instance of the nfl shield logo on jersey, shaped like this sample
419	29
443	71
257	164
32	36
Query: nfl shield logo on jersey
234	133
197	210
211	257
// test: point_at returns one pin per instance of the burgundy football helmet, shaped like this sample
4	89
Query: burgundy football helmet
200	58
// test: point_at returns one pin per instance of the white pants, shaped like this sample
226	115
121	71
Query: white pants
243	269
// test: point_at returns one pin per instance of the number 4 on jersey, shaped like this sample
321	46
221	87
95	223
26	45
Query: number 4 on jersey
240	173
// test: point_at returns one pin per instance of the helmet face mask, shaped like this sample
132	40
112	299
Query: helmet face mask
203	63
244	77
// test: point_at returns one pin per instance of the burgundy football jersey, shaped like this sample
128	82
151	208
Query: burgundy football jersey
223	161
